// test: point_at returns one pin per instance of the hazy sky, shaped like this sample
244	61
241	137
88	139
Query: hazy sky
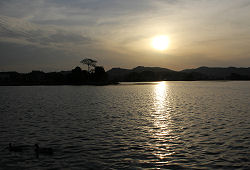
54	35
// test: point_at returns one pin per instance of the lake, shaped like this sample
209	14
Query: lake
168	125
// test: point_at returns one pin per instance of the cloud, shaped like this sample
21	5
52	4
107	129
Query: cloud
24	58
18	30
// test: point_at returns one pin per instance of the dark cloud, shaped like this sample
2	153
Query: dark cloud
63	22
10	30
34	34
19	8
60	37
110	6
25	58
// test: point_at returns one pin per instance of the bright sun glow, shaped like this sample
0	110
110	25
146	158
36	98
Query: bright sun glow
160	42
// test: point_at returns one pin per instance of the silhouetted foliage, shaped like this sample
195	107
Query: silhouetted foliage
100	75
89	62
76	76
235	76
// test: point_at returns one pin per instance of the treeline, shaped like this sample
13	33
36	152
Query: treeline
95	75
77	76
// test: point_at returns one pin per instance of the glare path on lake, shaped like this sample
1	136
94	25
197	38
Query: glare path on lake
162	122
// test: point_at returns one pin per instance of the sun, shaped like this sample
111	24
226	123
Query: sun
160	42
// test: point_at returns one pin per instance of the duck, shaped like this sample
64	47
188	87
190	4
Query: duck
15	148
44	151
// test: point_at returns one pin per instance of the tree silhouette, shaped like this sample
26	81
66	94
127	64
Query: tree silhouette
89	62
100	75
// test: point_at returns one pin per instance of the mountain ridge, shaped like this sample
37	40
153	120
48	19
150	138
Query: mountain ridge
140	73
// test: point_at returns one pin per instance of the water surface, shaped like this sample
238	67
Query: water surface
175	125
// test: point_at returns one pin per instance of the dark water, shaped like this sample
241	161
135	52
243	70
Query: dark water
168	125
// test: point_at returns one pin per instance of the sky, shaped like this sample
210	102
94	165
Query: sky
53	35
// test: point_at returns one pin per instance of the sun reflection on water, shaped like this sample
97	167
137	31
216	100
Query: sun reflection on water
160	97
162	123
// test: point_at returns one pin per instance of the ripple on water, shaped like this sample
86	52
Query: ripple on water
168	125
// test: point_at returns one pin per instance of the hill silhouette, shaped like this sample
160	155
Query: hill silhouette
142	73
230	73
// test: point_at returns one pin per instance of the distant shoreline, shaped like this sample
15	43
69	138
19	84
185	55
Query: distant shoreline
124	83
99	77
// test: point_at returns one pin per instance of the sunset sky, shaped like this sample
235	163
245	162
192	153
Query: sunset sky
52	35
